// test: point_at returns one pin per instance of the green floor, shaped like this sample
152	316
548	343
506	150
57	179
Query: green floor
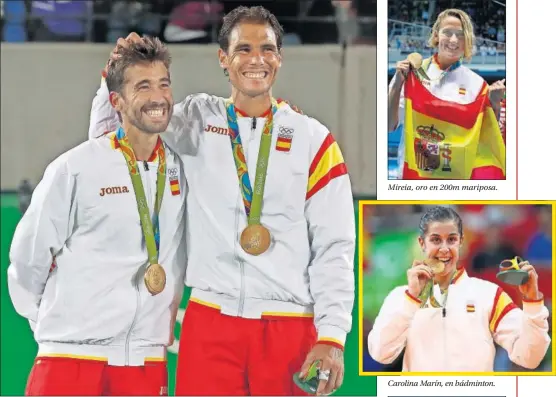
18	349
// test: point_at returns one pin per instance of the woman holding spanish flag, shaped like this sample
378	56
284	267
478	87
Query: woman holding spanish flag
449	322
449	117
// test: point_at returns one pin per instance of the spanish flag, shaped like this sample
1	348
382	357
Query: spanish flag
448	140
283	144
175	187
327	164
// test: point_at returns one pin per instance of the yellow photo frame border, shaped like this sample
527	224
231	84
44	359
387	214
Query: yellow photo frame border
363	203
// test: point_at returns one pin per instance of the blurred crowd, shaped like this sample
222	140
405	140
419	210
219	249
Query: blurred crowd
481	46
489	19
492	233
181	21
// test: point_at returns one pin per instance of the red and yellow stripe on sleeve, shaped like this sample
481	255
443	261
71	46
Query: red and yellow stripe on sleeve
331	342
327	164
501	306
412	298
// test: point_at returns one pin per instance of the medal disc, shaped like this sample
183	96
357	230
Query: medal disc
155	279
255	239
510	271
513	277
436	266
415	59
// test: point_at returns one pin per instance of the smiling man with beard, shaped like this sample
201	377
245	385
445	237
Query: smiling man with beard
271	230
98	260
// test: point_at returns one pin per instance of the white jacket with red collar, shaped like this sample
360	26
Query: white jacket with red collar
307	206
460	338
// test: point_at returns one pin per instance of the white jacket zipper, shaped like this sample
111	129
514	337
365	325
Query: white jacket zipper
148	196
241	264
137	307
253	128
239	261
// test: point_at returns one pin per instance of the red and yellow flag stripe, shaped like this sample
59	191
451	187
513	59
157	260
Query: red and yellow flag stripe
327	164
459	275
501	306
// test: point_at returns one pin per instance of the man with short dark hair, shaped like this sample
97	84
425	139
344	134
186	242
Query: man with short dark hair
103	310
271	230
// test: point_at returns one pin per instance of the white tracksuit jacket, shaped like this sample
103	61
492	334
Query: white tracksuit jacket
93	304
307	206
460	338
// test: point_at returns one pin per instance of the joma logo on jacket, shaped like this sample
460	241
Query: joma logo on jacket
217	130
113	190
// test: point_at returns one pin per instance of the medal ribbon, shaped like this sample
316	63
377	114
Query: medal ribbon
427	62
427	293
150	228
252	198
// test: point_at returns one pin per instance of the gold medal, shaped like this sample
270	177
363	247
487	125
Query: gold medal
436	266
415	59
255	239
155	279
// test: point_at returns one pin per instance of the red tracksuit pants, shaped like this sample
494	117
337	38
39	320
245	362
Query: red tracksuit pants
232	356
61	376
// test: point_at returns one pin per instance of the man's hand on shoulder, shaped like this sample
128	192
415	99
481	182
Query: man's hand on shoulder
295	108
